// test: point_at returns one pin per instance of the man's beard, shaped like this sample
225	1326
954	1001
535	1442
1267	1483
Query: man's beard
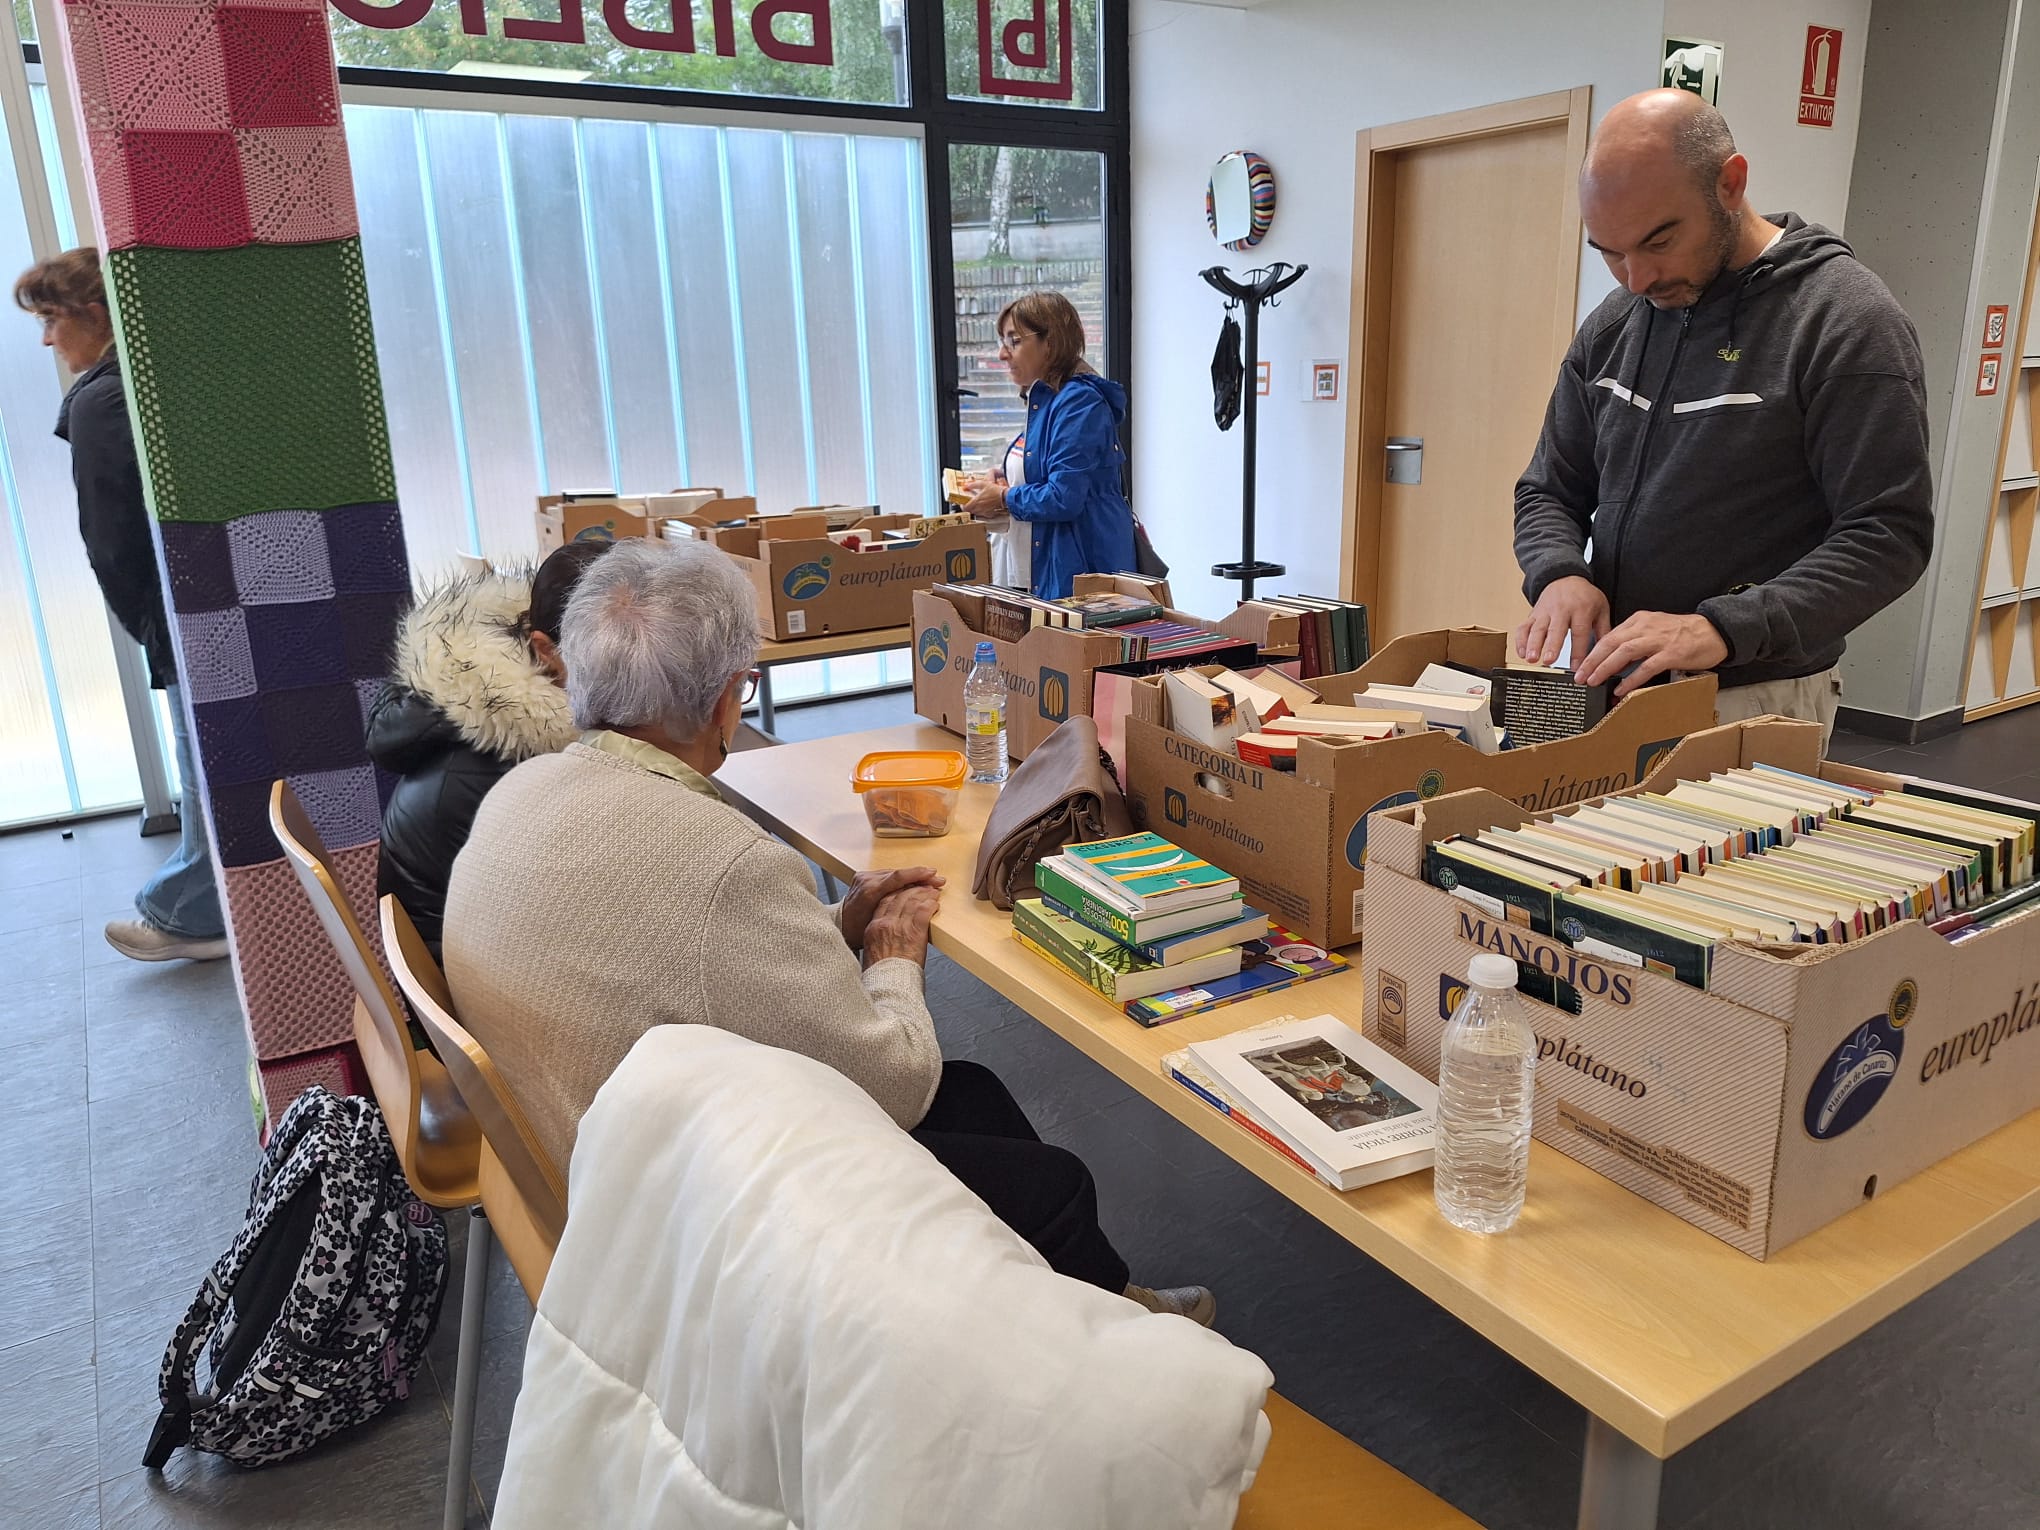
1724	229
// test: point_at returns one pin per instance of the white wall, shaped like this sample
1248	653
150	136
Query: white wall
1792	168
1294	80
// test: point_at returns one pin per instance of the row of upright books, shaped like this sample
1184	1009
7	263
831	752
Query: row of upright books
1159	931
1331	634
1143	627
1660	879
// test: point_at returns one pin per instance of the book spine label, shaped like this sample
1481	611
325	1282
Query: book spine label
1085	908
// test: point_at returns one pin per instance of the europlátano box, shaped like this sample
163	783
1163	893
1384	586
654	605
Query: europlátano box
1048	673
1297	839
805	584
1800	1083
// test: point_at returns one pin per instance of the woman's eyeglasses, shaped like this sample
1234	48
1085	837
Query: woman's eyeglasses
751	687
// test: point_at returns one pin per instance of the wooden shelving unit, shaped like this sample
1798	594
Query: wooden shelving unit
2004	652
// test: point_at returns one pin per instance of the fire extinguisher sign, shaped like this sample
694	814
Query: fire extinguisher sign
1819	76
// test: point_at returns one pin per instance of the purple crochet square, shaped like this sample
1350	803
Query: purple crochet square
368	628
232	743
313	728
240	818
297	644
342	804
280	556
200	565
365	548
365	693
213	659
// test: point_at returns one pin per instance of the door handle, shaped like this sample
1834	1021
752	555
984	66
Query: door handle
1405	459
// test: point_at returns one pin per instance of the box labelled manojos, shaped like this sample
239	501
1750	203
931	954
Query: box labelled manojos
1803	1081
1297	839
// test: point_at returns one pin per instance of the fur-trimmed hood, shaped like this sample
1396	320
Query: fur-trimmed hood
463	674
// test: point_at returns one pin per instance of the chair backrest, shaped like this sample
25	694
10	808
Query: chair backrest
385	1041
536	1179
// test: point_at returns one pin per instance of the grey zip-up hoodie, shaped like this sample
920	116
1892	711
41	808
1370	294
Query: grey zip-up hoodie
1759	458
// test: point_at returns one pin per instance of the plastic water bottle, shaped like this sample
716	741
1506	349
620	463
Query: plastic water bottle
984	717
1487	1066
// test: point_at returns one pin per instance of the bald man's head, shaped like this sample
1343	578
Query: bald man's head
1661	194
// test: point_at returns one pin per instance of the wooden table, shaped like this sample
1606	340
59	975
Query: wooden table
831	645
1659	1331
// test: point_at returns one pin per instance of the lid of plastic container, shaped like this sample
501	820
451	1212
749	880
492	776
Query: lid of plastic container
1491	971
916	767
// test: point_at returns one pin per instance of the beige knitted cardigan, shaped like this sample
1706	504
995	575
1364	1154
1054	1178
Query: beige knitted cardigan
595	899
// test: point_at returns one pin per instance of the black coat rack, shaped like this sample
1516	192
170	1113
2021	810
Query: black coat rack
1261	287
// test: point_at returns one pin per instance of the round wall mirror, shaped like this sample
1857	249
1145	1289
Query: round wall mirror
1239	201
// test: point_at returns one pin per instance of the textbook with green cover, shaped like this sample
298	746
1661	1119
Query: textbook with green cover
1145	874
1104	965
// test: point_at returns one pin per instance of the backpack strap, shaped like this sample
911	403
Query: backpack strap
284	1171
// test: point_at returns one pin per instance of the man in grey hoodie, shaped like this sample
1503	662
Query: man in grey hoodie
1740	433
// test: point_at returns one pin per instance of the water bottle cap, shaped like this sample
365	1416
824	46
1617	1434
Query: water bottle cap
986	653
1491	971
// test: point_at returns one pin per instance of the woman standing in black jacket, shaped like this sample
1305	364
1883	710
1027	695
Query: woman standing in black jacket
477	688
178	908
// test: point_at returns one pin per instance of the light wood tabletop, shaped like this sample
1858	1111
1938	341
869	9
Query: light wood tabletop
1657	1329
832	645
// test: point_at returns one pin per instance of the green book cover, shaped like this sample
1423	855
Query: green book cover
1103	964
1662	951
1145	870
1082	899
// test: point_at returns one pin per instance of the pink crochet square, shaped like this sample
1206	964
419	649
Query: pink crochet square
338	1068
299	188
279	68
184	191
298	996
143	65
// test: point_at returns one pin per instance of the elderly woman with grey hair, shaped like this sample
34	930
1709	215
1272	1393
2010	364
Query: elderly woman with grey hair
607	889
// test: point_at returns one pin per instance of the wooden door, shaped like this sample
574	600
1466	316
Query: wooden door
1466	271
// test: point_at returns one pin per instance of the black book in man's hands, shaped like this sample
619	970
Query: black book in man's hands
1537	705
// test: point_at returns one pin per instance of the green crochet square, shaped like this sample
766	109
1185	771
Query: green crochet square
252	378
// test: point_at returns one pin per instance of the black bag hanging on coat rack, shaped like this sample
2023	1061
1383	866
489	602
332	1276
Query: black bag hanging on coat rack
1261	288
1226	372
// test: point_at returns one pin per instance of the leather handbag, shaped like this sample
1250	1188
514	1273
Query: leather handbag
1064	793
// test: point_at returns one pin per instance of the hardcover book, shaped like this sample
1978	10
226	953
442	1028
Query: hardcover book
1101	963
1277	961
1347	1107
1081	899
1144	873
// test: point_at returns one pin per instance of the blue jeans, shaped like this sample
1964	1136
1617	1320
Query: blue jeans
183	898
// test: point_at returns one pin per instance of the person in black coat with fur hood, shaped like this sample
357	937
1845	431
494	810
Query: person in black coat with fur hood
477	688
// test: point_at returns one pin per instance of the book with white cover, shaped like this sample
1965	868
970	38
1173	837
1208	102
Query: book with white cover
1354	1112
1457	682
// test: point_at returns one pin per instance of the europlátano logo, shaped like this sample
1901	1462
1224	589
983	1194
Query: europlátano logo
806	580
1855	1077
962	563
933	649
1053	695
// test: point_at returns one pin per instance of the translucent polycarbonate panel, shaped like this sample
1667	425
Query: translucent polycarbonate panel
559	317
403	291
484	326
705	319
774	362
899	381
828	253
637	339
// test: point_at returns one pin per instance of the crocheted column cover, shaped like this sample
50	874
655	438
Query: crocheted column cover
226	223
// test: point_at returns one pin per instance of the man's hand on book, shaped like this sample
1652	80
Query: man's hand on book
1571	606
899	927
1649	644
870	889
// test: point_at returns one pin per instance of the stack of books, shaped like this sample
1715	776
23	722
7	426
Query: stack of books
1145	630
1250	718
1158	930
1660	879
1322	1096
1331	634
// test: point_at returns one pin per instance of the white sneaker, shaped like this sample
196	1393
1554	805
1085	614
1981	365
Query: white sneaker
1193	1302
141	941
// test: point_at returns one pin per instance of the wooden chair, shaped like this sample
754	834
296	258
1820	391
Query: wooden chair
523	1191
437	1138
1313	1476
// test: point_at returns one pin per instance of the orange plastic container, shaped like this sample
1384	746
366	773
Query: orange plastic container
910	794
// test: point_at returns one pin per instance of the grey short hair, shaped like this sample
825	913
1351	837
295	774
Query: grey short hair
1703	144
654	633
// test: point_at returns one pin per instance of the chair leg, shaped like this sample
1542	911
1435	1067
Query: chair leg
467	1368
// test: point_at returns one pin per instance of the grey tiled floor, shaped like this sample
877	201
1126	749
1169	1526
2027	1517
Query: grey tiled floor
127	1138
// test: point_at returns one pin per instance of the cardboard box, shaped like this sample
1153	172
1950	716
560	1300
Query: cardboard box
1048	673
806	585
562	520
1803	1081
1297	840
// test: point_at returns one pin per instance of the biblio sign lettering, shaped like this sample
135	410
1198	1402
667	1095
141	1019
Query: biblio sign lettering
1026	43
570	26
1819	75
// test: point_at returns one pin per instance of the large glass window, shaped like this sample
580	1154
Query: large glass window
1020	220
584	302
1023	52
817	50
